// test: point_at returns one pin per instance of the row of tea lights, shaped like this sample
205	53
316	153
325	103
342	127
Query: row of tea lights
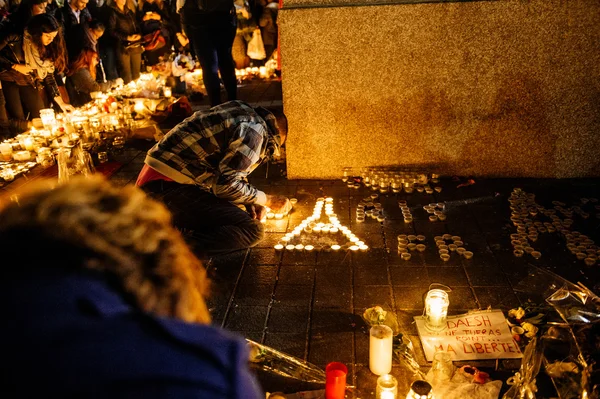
524	208
386	181
313	225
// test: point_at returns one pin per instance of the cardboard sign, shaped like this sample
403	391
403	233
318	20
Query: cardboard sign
473	336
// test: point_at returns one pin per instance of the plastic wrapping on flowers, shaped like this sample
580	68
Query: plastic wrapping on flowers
568	350
402	346
272	360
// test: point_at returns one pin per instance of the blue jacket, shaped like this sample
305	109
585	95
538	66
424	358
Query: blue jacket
74	337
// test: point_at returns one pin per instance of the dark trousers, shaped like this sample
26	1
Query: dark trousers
22	99
212	45
211	225
130	64
109	61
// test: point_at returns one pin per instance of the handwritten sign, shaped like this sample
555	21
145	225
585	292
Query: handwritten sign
477	335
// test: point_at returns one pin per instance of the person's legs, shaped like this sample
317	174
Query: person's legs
205	48
109	62
124	65
136	64
13	100
32	100
212	225
225	60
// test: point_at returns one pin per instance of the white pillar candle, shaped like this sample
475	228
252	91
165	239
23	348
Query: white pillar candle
380	350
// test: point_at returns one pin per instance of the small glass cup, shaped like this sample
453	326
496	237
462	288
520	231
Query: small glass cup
387	387
436	309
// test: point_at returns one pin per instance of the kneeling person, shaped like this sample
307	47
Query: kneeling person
199	171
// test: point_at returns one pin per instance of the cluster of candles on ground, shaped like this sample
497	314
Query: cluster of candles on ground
391	181
330	234
264	72
369	207
524	211
381	353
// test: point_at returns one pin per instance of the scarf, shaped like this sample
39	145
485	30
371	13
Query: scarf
34	60
91	38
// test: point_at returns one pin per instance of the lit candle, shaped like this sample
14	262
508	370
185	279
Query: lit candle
436	309
167	92
335	247
380	349
387	387
139	107
420	389
278	247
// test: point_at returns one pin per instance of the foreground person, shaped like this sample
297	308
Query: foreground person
107	301
199	170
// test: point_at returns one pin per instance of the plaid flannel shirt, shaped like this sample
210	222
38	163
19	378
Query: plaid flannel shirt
217	149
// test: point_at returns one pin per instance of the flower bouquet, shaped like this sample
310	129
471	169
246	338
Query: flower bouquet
269	359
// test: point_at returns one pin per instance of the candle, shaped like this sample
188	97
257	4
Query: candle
278	247
436	309
387	387
48	118
420	389
139	107
167	92
22	156
380	349
335	380
6	151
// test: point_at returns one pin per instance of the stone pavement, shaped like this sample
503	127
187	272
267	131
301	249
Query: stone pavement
309	305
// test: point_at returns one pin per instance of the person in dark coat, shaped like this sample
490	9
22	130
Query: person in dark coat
126	33
211	31
110	303
72	16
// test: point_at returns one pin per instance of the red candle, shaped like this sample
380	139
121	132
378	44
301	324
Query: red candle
335	382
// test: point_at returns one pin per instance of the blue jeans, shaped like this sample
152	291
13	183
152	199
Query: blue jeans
212	44
209	224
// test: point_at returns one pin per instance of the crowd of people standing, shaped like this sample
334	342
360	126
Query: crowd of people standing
55	55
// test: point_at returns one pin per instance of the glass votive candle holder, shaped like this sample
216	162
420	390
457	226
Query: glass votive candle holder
436	309
412	246
438	189
455	238
452	247
590	261
536	254
387	387
433	218
445	257
403	237
528	249
421	247
408	220
468	254
309	248
443	252
518	253
290	247
405	256
443	246
447	236
412	237
441	217
335	247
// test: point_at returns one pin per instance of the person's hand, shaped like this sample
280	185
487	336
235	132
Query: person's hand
182	39
256	211
63	105
279	204
133	38
23	69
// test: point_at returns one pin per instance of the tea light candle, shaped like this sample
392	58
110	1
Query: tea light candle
380	349
436	309
278	247
387	387
420	389
309	248
290	247
335	247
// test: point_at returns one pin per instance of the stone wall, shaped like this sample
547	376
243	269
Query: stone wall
490	88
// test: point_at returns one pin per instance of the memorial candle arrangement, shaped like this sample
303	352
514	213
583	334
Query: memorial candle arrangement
380	349
323	231
436	309
420	389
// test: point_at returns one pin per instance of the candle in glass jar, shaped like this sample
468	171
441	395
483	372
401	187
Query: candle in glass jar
380	349
436	309
387	387
167	92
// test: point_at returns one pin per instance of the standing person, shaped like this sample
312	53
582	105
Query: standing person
268	27
155	15
123	27
73	15
28	66
211	25
200	168
111	304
